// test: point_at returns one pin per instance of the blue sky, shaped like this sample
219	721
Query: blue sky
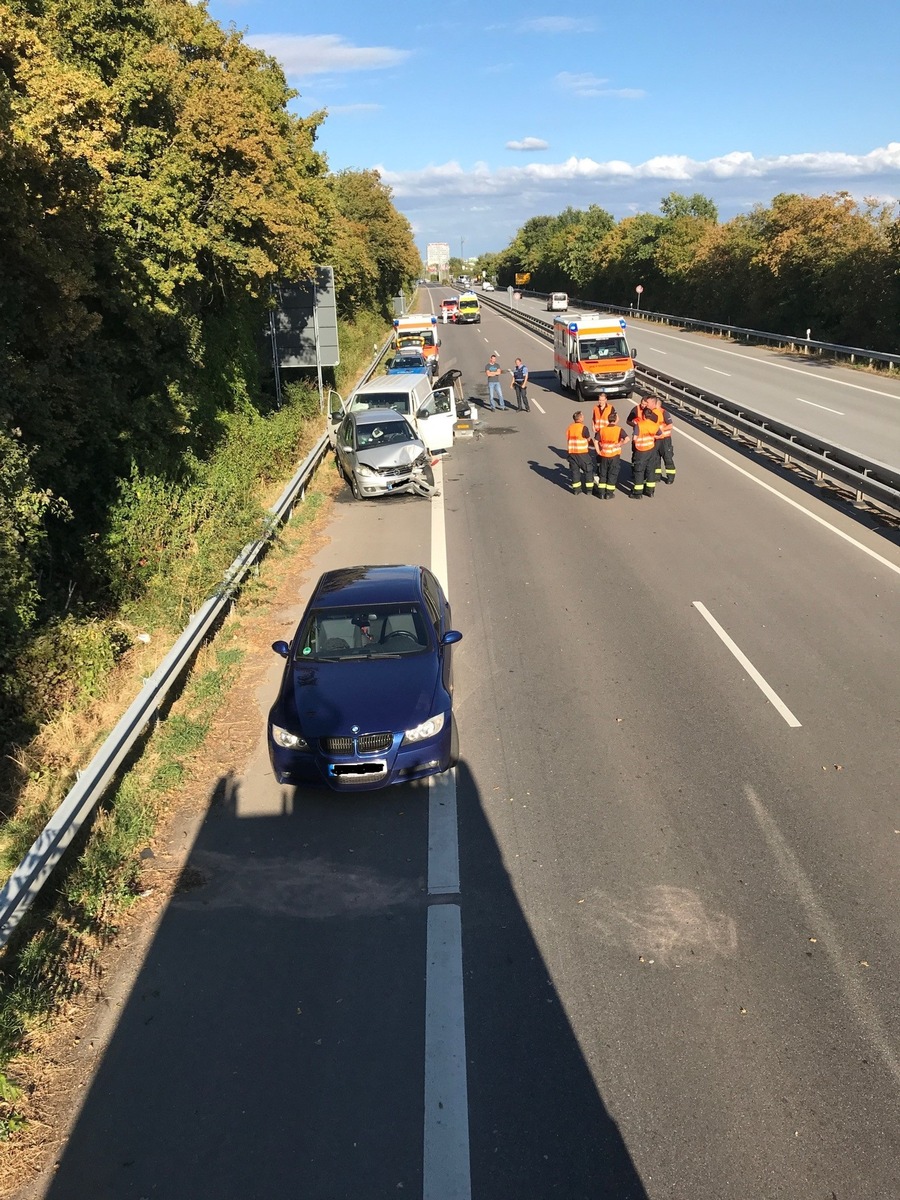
480	116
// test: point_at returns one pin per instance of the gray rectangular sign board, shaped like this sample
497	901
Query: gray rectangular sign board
302	309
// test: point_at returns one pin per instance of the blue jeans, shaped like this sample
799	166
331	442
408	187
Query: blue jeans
495	391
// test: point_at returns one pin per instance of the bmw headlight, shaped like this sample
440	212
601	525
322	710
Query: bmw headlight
426	730
290	741
367	472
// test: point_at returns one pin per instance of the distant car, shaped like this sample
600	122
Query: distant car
366	698
451	308
557	302
377	452
487	286
408	359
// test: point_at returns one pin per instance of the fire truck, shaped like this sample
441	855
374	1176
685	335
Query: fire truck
591	355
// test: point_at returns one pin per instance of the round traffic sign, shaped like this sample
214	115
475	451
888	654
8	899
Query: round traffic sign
639	288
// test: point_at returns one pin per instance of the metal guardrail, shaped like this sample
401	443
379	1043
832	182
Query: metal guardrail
867	478
756	335
33	871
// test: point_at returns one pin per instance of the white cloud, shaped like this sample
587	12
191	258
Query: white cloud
352	109
501	200
557	25
588	86
479	180
321	54
529	143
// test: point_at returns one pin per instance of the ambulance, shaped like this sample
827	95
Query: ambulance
469	311
418	330
591	355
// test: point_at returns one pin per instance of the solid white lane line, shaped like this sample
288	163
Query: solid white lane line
850	979
793	503
727	374
443	827
439	527
813	404
537	406
446	1173
446	1166
860	387
443	835
748	666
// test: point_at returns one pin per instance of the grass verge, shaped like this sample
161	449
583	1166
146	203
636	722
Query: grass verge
56	951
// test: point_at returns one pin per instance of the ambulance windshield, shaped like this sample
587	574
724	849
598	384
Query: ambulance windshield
602	347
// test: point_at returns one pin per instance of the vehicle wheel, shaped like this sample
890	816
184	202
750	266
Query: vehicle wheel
354	487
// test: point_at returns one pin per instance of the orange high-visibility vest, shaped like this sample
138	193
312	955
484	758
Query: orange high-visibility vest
664	428
609	441
644	434
601	416
576	442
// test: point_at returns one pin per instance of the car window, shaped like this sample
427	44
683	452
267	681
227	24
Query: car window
398	401
432	601
378	631
437	403
384	433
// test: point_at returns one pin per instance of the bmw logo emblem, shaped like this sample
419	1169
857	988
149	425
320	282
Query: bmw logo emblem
354	729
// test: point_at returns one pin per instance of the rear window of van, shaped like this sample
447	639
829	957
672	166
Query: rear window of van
400	402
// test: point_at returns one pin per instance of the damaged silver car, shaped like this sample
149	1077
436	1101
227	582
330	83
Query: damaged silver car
378	453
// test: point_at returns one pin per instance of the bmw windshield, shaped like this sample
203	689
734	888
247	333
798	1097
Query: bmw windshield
382	631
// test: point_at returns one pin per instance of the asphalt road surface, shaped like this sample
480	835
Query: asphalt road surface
676	816
856	409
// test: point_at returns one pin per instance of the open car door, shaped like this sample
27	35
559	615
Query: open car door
336	412
435	420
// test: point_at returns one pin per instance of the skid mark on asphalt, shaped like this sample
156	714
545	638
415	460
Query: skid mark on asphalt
316	888
670	924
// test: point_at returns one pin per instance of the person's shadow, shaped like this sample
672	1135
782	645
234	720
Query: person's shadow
557	474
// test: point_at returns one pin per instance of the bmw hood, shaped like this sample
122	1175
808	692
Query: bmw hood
377	695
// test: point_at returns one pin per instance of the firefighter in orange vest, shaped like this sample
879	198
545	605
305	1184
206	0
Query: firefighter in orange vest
602	410
665	459
610	440
578	447
643	452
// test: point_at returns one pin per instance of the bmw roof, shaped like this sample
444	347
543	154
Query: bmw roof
368	585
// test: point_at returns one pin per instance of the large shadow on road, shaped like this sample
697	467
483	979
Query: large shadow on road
273	1043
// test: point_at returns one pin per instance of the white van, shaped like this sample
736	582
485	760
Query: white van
431	412
557	302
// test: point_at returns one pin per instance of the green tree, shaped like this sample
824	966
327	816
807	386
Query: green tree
374	243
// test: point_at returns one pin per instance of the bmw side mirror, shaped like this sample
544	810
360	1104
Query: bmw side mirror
451	637
281	648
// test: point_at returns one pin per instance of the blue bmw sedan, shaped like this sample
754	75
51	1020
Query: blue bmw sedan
366	698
